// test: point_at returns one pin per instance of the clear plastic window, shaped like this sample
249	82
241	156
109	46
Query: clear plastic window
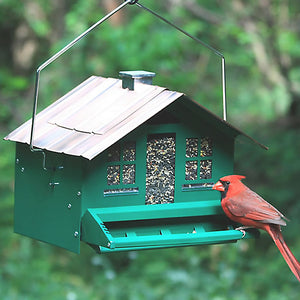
191	148
206	146
198	168
191	170
129	151
113	175
114	153
119	171
206	169
160	172
129	174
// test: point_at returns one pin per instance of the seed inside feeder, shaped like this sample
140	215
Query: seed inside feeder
206	146
128	174
113	175
160	171
129	151
205	169
191	170
191	149
122	191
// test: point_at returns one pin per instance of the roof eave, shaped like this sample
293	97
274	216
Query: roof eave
219	122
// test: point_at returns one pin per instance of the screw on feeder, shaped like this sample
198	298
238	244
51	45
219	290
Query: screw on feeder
76	234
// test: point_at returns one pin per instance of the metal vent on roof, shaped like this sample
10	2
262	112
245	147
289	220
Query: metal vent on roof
130	77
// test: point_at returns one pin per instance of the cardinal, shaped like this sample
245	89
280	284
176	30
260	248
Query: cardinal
245	207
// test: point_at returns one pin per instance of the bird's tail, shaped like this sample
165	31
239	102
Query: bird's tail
275	233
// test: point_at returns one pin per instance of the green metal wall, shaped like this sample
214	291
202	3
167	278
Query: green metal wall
50	204
96	170
50	213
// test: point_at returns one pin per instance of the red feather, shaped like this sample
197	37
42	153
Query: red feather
244	206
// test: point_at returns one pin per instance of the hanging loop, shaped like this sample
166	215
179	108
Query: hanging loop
132	2
78	38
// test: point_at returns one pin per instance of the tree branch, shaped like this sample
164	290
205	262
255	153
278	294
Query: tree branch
197	10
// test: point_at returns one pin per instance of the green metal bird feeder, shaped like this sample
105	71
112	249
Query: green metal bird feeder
122	164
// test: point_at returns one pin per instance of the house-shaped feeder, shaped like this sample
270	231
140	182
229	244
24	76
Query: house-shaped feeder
129	166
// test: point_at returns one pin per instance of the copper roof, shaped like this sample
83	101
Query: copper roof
93	116
98	113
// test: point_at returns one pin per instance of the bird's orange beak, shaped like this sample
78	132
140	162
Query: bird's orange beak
219	187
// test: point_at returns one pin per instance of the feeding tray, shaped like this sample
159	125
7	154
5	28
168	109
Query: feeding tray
159	226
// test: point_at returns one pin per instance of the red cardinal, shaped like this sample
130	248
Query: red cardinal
244	206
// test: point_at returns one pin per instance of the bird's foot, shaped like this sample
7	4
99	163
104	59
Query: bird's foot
242	230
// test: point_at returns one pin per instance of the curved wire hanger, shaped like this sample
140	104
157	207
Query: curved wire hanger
82	35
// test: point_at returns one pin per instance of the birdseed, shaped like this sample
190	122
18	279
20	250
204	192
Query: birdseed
205	169
197	186
123	191
206	146
129	151
128	174
113	175
160	171
191	170
191	149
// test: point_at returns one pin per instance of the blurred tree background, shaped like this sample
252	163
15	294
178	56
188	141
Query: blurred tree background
261	42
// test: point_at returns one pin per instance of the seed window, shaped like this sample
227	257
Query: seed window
129	174
206	147
205	169
160	172
196	167
113	175
191	149
121	169
114	153
129	151
191	170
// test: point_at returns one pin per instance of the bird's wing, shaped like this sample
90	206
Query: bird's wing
250	205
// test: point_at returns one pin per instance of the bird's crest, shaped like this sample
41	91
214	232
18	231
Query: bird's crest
232	178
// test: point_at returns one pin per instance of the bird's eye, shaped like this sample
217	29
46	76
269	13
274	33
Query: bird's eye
225	183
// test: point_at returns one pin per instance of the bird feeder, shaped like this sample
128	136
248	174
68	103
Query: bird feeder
122	164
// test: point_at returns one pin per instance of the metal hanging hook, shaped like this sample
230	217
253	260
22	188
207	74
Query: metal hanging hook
78	38
133	2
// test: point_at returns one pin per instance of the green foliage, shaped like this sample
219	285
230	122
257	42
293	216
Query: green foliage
259	100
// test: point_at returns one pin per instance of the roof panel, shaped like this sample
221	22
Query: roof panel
93	116
65	104
98	113
130	123
75	108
